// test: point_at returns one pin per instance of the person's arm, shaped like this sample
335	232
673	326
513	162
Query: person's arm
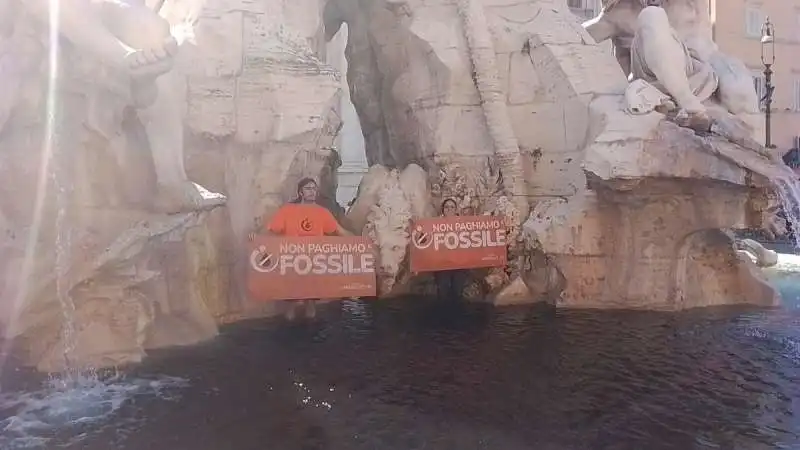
331	226
342	231
275	227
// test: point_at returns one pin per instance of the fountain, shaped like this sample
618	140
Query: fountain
623	204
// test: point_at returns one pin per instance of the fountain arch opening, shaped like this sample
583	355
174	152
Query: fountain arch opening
350	140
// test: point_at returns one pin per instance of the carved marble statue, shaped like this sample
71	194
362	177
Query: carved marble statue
668	44
132	38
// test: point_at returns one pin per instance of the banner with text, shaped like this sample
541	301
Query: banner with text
460	242
299	268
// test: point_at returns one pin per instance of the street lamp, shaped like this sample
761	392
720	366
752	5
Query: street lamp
768	59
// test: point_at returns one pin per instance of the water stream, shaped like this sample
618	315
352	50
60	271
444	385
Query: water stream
63	189
788	190
78	397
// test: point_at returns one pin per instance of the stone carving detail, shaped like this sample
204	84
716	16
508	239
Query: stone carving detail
583	139
668	44
387	203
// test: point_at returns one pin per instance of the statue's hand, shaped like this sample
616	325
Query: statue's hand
152	62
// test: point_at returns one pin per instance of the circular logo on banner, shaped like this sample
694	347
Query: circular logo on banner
421	239
262	261
305	225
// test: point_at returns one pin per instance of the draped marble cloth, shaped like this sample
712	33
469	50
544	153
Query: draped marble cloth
702	78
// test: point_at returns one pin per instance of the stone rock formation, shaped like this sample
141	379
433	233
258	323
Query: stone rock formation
108	248
762	256
261	113
629	207
509	107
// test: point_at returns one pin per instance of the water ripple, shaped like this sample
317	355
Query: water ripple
65	411
412	374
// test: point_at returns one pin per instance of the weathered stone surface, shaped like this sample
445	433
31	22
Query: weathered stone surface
621	202
259	112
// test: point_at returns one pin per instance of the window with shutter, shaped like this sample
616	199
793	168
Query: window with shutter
753	21
796	95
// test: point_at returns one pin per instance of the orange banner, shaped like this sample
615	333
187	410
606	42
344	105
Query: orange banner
460	242
299	268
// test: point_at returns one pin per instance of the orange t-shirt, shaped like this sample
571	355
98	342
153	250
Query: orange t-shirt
302	219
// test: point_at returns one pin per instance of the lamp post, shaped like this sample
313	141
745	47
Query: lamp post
768	59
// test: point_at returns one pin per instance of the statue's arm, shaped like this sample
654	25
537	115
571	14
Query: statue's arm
80	23
600	28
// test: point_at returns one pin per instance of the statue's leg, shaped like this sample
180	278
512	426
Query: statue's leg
623	56
736	92
160	97
666	57
163	122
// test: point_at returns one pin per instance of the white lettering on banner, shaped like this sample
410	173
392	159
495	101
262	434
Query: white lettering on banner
477	226
295	249
469	239
326	264
442	227
466	226
291	247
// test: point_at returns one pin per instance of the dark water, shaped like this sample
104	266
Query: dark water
411	374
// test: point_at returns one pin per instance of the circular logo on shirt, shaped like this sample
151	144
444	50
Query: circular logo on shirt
263	261
421	239
306	224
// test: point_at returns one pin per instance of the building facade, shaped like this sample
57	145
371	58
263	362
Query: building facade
737	30
584	9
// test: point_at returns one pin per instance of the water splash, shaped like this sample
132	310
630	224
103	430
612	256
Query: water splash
788	190
73	408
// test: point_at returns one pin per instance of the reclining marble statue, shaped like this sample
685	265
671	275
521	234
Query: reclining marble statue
668	45
130	37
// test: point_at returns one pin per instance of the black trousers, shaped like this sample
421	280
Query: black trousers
450	284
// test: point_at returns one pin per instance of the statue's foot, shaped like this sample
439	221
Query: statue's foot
186	197
698	121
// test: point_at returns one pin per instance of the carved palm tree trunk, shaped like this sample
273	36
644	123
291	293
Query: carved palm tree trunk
493	100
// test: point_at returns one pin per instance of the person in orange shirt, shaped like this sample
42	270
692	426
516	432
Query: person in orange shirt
303	217
450	283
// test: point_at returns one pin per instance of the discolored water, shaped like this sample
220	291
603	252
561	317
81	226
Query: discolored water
410	374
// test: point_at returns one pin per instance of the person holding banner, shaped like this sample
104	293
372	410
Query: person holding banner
303	217
450	283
